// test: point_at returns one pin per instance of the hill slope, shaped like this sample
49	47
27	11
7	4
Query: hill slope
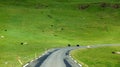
45	24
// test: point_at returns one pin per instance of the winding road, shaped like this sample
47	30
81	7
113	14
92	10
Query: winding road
55	58
59	57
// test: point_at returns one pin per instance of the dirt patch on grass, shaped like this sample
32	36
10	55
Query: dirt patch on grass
50	16
83	6
104	5
99	5
110	5
116	6
39	6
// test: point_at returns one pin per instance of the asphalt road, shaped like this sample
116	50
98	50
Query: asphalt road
60	57
56	58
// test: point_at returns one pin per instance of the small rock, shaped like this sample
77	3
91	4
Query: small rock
88	46
2	36
25	43
6	62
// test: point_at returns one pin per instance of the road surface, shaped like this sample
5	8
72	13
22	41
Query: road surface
56	58
60	57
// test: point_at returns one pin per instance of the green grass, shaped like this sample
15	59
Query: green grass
97	57
28	21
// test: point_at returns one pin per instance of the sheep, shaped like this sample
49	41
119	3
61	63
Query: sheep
115	52
77	45
23	43
69	45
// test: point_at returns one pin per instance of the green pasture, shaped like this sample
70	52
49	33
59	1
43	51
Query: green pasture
97	57
45	24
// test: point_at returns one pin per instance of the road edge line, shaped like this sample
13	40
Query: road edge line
36	58
75	61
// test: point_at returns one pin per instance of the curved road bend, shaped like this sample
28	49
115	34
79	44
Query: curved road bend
57	58
60	57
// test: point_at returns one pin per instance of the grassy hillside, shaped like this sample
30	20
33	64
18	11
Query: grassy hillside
46	24
103	58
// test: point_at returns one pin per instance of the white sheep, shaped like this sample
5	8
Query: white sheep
117	52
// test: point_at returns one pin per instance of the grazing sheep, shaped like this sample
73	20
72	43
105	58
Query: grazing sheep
78	45
115	52
23	43
69	45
